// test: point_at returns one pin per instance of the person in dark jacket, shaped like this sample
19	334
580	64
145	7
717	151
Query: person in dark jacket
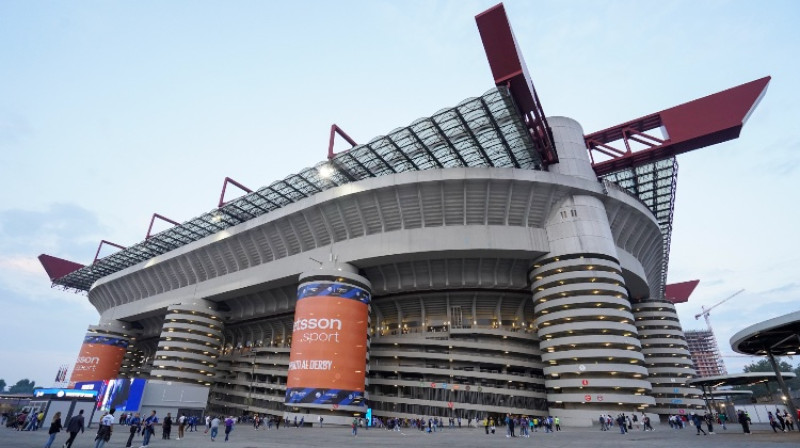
744	420
55	428
75	424
166	426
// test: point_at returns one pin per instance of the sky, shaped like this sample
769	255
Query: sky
111	111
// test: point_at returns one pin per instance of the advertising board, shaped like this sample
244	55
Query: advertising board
327	364
99	359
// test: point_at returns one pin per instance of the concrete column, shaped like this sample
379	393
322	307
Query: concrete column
329	360
590	347
104	348
190	343
667	357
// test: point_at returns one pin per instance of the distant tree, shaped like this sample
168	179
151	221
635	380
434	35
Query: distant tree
24	386
764	365
2	385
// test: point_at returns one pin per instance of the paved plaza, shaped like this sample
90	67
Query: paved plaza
245	437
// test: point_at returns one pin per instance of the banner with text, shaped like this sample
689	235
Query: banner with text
99	359
327	364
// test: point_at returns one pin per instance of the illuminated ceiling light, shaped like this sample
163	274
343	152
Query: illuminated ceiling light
326	171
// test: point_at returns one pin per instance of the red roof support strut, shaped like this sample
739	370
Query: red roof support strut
703	122
508	68
57	267
153	220
337	130
97	254
680	292
228	180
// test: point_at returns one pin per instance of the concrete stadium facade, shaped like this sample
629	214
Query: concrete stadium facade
495	289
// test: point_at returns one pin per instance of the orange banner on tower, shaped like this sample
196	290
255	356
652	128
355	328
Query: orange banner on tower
99	359
329	343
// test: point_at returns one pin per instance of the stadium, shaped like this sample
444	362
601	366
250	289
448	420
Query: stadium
484	260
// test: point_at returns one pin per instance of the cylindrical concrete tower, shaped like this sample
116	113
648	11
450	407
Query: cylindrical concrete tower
330	342
104	348
190	342
592	356
667	357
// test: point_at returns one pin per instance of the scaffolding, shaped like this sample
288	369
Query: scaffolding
705	353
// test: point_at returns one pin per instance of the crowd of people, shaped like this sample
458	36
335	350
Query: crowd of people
514	425
624	422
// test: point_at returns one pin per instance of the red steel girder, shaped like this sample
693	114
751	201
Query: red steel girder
227	181
57	268
680	292
100	246
509	69
337	130
153	220
703	122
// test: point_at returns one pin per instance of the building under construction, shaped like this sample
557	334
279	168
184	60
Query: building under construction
705	353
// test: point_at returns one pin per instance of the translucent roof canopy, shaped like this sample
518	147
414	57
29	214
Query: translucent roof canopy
479	132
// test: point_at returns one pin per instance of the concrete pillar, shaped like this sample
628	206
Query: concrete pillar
190	342
590	347
667	357
104	348
329	359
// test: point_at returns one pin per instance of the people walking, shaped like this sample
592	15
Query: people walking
149	429
213	424
709	419
75	424
181	425
698	423
788	419
55	428
621	423
646	426
166	426
229	422
104	429
135	425
744	420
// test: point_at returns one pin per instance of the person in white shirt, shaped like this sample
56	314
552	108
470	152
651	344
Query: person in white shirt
104	431
181	425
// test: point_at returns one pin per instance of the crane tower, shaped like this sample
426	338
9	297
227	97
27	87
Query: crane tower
703	344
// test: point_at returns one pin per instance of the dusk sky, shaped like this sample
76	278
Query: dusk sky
111	111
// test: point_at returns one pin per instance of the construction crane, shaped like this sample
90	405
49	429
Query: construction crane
707	311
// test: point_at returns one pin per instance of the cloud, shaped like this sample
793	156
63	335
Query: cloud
781	158
13	129
63	230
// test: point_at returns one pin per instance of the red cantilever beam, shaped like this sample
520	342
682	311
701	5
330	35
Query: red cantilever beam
680	292
100	246
509	69
703	122
153	220
337	130
58	267
228	180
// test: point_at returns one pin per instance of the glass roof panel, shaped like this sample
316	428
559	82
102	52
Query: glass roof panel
484	131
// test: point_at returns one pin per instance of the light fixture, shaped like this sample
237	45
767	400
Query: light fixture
326	171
